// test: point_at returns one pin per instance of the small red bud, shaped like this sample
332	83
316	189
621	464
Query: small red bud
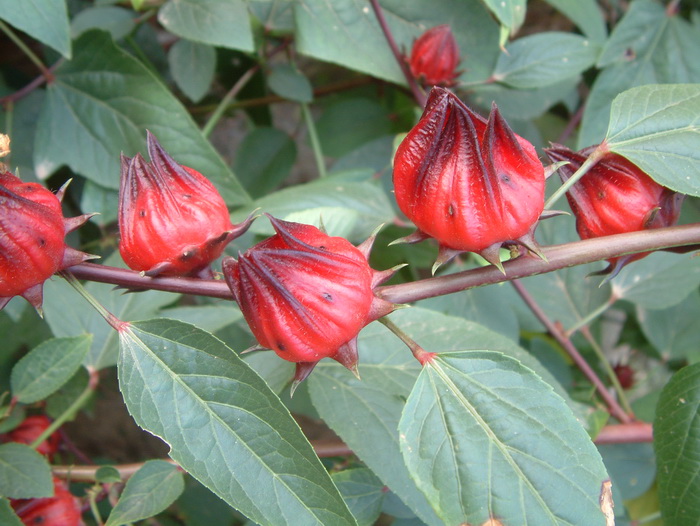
614	197
63	509
435	56
472	184
625	375
32	245
306	295
30	429
172	220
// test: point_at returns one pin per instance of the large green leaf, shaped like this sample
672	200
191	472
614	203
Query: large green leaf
544	58
362	202
222	23
484	437
674	332
658	129
224	425
510	13
586	14
47	367
24	473
193	66
101	104
153	488
676	432
7	515
366	413
45	20
363	492
658	281
346	32
646	47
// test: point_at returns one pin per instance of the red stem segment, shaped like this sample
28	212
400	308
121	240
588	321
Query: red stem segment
580	362
418	94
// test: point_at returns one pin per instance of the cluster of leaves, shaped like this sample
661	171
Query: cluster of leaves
304	100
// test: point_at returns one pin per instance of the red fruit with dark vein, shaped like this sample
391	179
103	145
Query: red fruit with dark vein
470	183
306	295
63	509
30	429
172	220
32	239
614	197
435	57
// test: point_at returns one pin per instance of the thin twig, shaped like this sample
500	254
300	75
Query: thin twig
571	350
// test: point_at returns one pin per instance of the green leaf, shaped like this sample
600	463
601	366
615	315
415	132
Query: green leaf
365	200
675	331
224	425
479	428
210	318
117	21
23	121
45	20
24	473
99	199
366	413
264	159
543	59
107	474
192	66
676	431
363	492
586	14
632	468
658	129
47	367
346	32
646	47
223	23
101	104
58	403
658	281
75	316
288	82
7	515
510	13
153	488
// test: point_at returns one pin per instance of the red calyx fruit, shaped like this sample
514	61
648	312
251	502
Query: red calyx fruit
435	57
614	197
32	245
625	375
472	184
306	295
63	509
30	429
172	220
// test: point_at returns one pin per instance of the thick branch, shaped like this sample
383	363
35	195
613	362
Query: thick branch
558	257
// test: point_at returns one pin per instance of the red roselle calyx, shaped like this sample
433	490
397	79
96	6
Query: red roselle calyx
615	196
30	429
471	184
32	239
172	220
435	57
306	295
63	509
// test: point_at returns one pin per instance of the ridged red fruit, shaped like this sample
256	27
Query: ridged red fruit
614	197
172	220
30	429
435	57
306	295
32	245
471	184
63	509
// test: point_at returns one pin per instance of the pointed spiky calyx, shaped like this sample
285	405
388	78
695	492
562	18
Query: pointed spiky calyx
32	239
172	220
470	183
306	295
614	197
435	57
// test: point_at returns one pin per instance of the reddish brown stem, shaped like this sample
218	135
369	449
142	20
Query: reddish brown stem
633	432
418	93
558	334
